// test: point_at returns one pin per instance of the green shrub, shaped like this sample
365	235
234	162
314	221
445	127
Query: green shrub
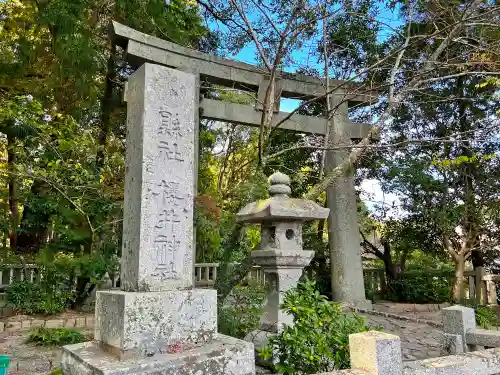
32	298
369	292
66	280
419	287
318	340
57	371
241	313
55	337
486	317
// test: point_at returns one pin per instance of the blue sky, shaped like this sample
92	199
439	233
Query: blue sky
372	193
248	53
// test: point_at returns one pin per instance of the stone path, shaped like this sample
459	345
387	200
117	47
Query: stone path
418	341
28	359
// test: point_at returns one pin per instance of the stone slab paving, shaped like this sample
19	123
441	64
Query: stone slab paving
28	359
418	341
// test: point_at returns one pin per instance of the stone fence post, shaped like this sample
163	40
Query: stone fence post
376	353
490	289
481	294
457	322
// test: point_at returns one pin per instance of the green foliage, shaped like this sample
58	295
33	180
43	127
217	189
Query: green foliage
486	317
55	336
57	371
420	288
57	288
318	340
369	291
240	315
21	116
426	279
207	224
33	298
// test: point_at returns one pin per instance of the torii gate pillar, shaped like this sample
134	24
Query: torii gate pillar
343	229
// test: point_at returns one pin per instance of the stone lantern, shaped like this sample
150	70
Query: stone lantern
280	253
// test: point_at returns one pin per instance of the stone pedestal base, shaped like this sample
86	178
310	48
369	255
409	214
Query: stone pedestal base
130	324
223	356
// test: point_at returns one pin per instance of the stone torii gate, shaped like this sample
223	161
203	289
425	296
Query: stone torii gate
347	273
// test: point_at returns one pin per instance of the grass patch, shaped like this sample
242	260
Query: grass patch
55	336
486	317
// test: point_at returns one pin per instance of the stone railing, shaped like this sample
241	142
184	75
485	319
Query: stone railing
481	287
378	353
205	274
14	272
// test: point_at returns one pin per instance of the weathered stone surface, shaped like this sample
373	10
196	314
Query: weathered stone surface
485	362
347	275
282	258
418	340
80	323
37	323
459	320
143	48
452	344
483	337
343	228
280	281
13	326
223	356
159	181
281	209
54	323
376	353
147	323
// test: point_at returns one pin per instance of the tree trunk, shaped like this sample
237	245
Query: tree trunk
477	259
107	107
402	260
226	160
321	225
13	198
390	270
33	232
458	283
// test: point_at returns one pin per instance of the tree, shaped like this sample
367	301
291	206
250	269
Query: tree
63	120
444	164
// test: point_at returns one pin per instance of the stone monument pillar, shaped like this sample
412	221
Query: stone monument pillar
157	323
280	253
